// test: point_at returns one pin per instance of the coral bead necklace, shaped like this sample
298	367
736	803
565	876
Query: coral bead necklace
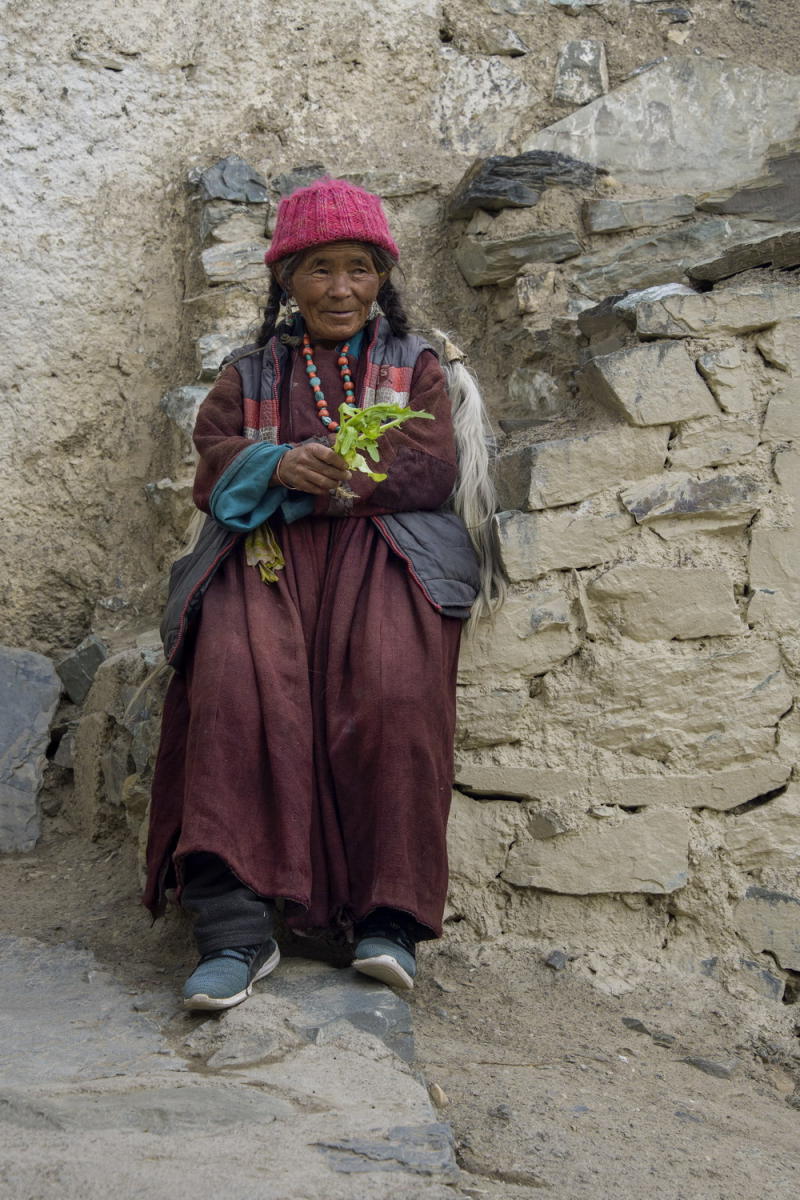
316	385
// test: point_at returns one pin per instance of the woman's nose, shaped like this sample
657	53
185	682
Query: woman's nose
340	284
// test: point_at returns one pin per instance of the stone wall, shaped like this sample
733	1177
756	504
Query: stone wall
624	280
628	726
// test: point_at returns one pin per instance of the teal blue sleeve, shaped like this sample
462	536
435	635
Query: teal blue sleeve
242	498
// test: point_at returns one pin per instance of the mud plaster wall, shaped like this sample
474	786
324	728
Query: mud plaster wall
104	111
108	113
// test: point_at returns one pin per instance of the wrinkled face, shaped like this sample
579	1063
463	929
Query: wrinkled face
334	286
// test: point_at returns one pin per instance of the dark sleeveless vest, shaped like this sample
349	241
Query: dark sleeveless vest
435	545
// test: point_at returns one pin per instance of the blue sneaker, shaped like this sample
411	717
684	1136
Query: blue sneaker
224	978
385	950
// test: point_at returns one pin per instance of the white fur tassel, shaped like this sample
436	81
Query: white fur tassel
474	495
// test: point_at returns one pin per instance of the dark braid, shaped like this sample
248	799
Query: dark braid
279	277
392	305
270	312
388	296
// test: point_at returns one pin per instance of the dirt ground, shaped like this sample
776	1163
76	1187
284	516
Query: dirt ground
547	1083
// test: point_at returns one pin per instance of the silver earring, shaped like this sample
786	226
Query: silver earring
375	311
288	309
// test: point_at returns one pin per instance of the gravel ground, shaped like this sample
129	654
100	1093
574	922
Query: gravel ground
546	1082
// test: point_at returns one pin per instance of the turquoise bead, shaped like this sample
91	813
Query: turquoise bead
315	383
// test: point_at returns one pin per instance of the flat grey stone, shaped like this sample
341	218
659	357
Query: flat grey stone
484	260
423	1149
643	852
222	221
730	310
78	668
391	184
715	441
678	126
775	249
725	374
487	187
324	995
29	694
628	305
655	383
478	102
647	603
235	262
531	544
668	257
610	325
90	1091
116	765
504	41
614	216
761	980
533	632
298	177
676	494
172	500
606	328
581	71
676	12
720	790
181	405
65	751
534	395
521	424
62	1018
658	1035
551	473
515	181
770	921
232	179
212	348
720	1068
773	196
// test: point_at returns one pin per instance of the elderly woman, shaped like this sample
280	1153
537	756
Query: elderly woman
306	751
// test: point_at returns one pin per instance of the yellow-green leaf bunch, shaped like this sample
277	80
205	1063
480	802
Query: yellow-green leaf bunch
360	428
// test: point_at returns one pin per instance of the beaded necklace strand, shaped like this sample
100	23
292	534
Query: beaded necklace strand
316	384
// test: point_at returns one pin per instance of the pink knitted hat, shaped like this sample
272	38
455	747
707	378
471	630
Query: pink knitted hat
329	210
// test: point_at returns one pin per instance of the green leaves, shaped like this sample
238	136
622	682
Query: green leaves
360	428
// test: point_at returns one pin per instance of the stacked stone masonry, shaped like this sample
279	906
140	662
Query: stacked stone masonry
626	285
645	666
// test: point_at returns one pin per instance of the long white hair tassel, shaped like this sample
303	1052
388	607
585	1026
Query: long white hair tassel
474	496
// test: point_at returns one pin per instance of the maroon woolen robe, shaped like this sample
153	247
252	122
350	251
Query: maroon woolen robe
309	743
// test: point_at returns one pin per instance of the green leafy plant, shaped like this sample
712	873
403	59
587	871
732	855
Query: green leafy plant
360	428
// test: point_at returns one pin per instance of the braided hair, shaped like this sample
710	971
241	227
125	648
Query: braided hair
388	296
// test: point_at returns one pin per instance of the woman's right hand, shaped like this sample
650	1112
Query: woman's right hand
312	467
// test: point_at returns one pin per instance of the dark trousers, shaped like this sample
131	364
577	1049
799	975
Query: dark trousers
226	913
